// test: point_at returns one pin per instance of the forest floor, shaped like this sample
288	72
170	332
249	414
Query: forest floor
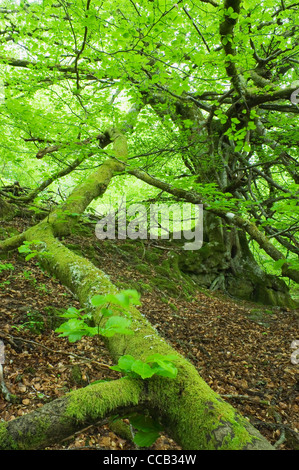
242	350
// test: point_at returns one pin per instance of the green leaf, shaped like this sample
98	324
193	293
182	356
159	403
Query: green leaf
144	422
31	255
117	325
128	297
279	263
246	147
24	249
74	329
166	369
106	312
124	363
148	429
141	368
71	312
98	300
162	365
145	439
124	299
71	330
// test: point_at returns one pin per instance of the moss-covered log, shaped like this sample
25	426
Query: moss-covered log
191	412
63	417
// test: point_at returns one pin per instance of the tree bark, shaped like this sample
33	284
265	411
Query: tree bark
63	417
225	262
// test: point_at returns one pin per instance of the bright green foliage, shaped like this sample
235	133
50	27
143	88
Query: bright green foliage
202	91
30	249
124	299
155	364
148	429
199	93
6	267
75	328
78	323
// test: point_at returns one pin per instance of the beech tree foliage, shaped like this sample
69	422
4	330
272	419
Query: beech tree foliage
205	92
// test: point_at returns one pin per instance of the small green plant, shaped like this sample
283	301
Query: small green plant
29	276
42	288
35	323
6	267
30	249
79	325
155	364
148	429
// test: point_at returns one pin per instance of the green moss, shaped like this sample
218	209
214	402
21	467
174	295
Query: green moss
76	248
26	440
152	257
35	439
166	285
142	268
121	428
163	271
84	230
6	441
131	247
211	423
97	401
146	287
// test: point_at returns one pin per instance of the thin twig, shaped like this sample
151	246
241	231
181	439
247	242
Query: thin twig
197	29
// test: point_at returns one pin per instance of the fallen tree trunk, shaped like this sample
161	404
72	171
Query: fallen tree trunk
63	417
194	415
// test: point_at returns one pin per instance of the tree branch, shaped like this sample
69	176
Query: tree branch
63	417
234	219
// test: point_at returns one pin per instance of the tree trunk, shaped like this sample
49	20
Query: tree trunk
231	265
225	262
235	222
63	417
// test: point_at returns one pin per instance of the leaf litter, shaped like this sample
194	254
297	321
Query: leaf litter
242	350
